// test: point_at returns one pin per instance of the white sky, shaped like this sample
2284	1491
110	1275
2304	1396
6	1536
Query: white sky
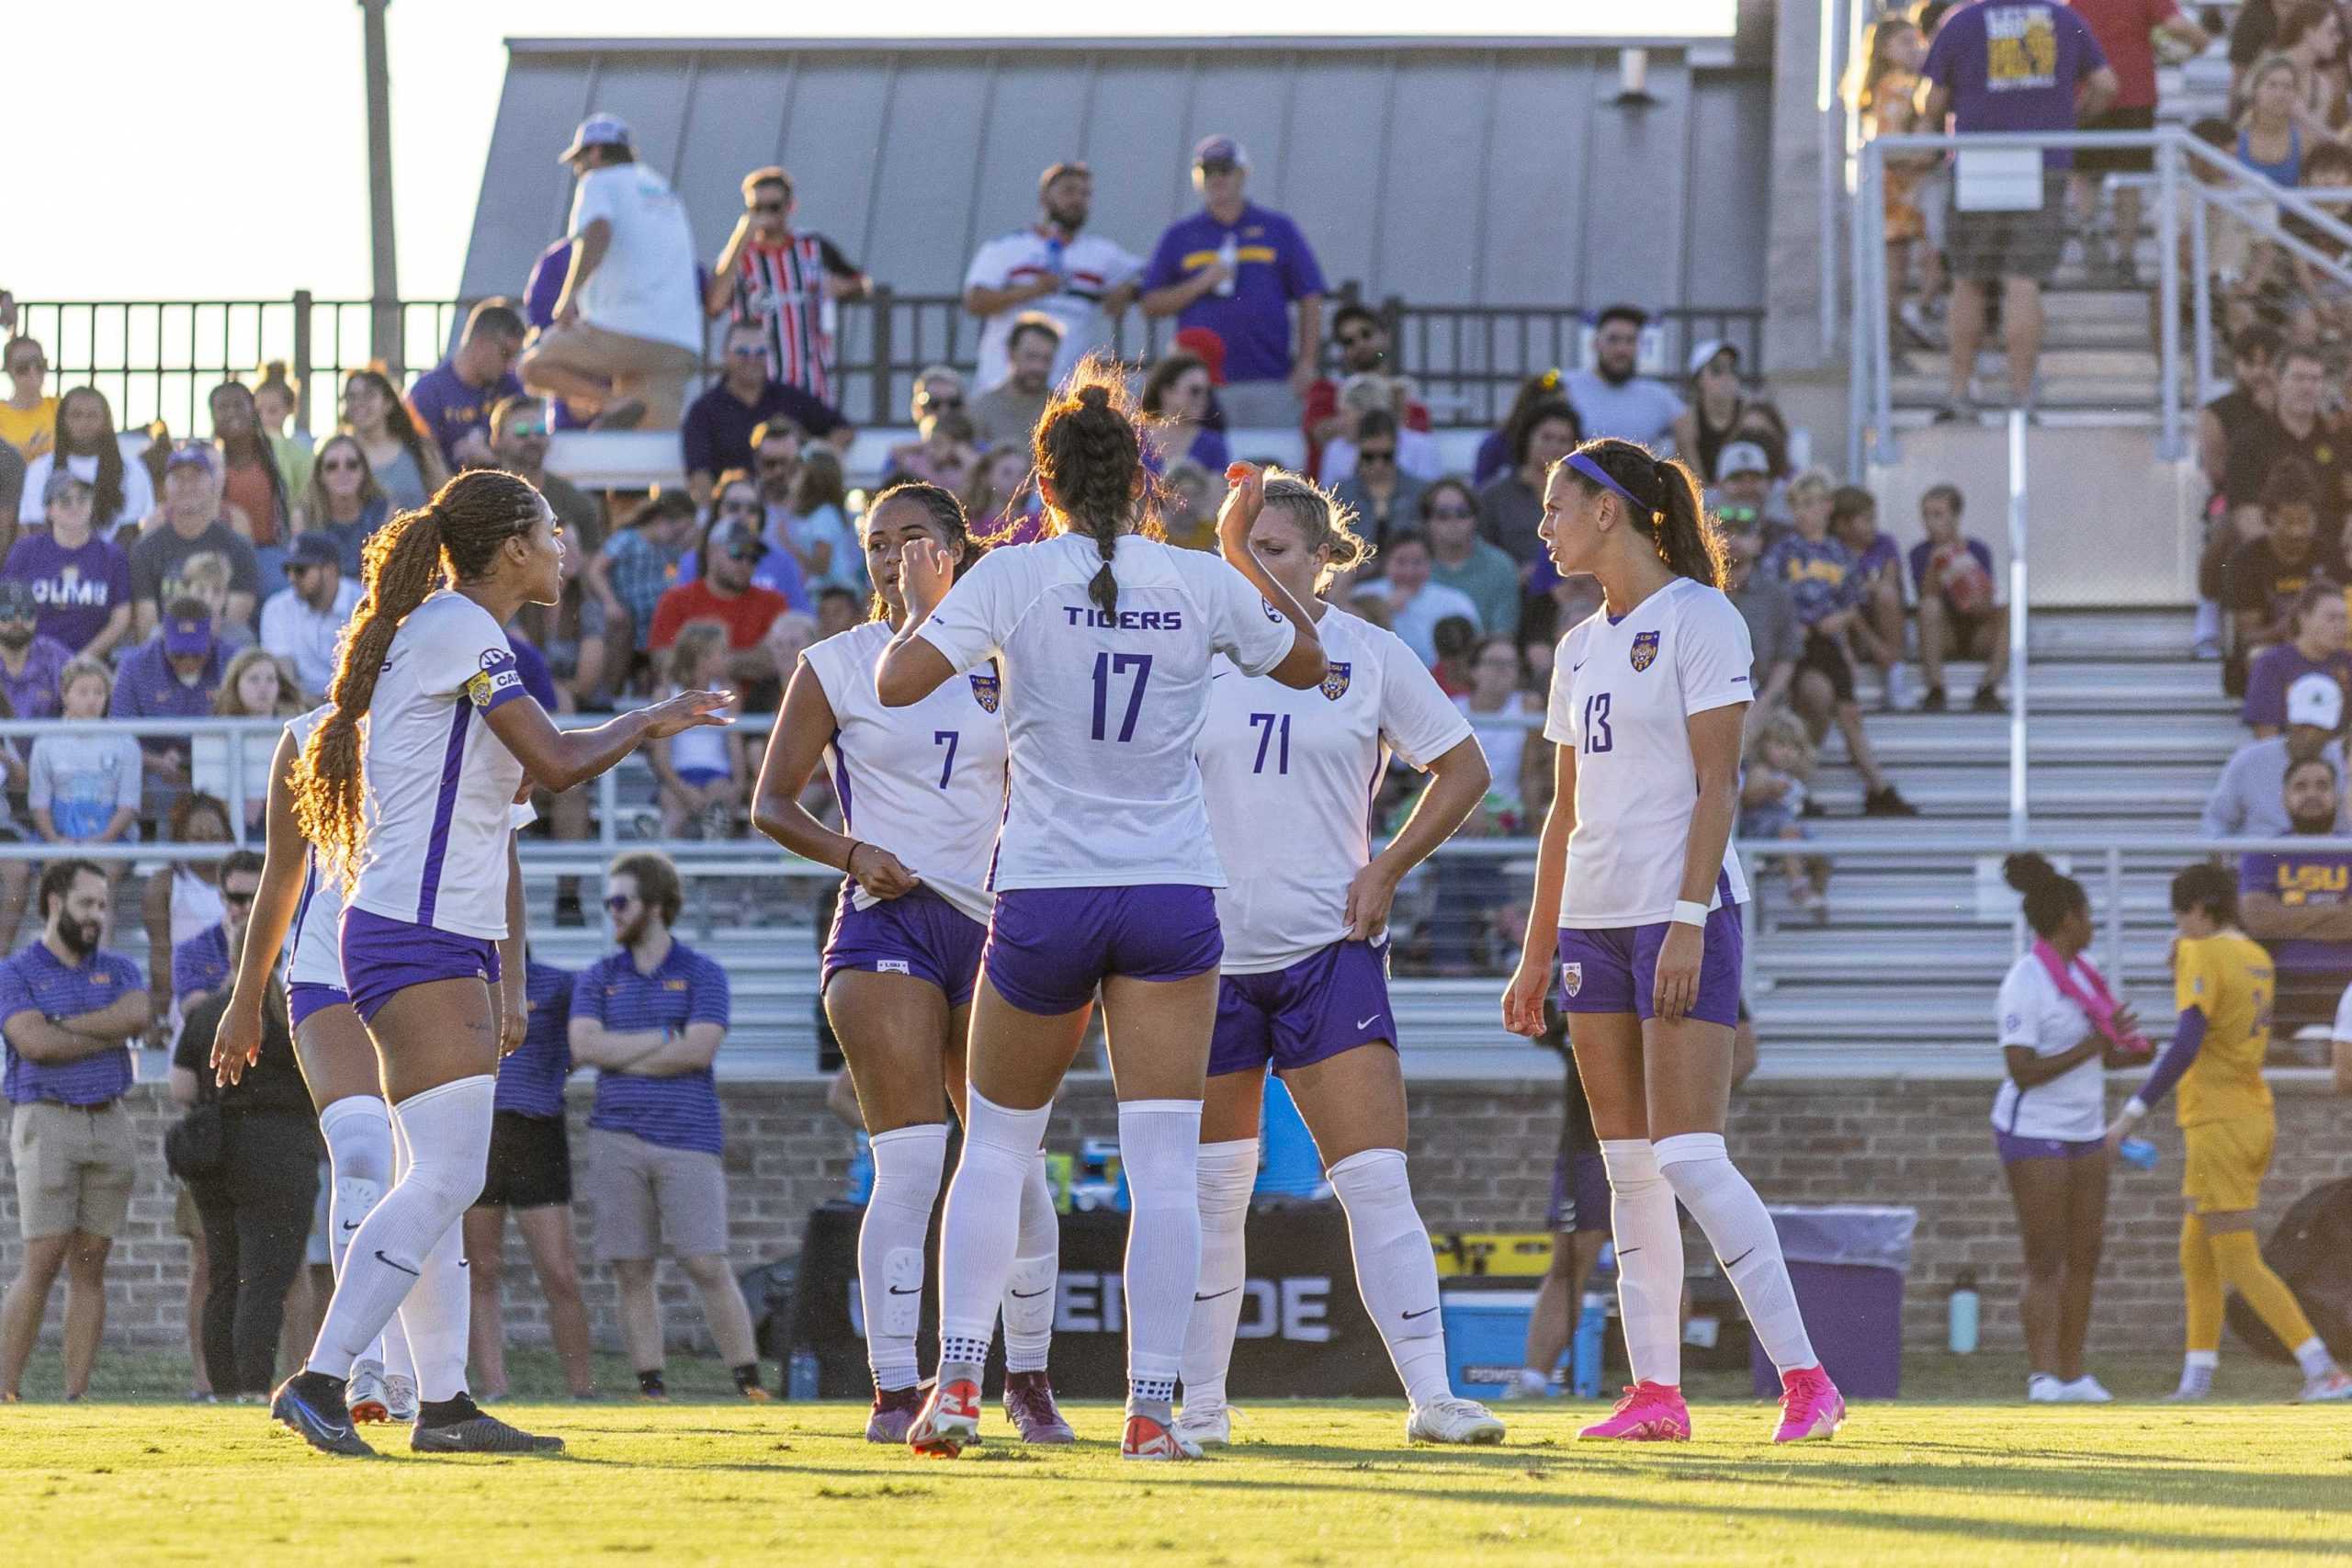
209	151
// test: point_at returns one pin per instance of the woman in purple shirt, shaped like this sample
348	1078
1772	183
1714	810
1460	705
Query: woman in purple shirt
81	583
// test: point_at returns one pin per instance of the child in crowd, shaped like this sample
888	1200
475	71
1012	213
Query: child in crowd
702	776
1774	785
84	789
1877	588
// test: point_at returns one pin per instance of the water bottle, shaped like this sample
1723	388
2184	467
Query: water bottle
1591	1340
800	1375
861	1171
2138	1153
1229	252
1056	256
1962	1323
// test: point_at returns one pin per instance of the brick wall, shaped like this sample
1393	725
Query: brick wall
1482	1157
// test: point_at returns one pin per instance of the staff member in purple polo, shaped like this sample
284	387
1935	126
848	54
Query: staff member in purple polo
651	1016
68	1009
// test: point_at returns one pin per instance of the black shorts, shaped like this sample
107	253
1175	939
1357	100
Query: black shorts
1823	654
2096	161
530	1163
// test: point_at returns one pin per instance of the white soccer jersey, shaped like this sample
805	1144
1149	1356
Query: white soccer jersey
925	783
313	943
1090	268
1623	692
1291	776
2033	1013
440	783
1101	712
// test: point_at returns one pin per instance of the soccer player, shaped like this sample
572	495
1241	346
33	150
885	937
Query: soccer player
921	791
1303	988
1105	873
2223	982
1636	869
427	862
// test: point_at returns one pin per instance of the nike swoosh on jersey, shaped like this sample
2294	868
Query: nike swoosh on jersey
1367	1022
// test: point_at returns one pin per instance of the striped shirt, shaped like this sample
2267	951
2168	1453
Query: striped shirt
200	964
36	980
680	1111
782	287
530	1082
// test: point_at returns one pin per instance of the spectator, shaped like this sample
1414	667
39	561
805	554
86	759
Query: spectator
303	622
1743	493
171	675
2270	139
2249	798
738	500
1460	559
625	332
1818	572
541	291
256	684
406	466
518	444
80	581
946	455
1002	497
2317	630
180	902
1495	450
787	284
1188	503
29	663
277	399
2031	65
1512	504
726	593
192	525
1878	587
1775	783
1181	401
838	610
1502	712
720	425
85	787
806	501
1363	339
2321	312
1235	269
451	402
1716	402
2269	573
1382	494
650	1017
68	1009
206	577
2126	32
2237	415
1083	283
1456	639
1883	94
1960	613
704	781
12	486
255	490
120	492
2298	428
28	415
938	388
2298	903
1362	396
1774	637
344	503
1413	603
639	564
1007	413
1610	398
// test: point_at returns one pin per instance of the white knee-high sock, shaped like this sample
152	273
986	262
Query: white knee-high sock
1739	1230
983	1225
438	1316
1649	1259
1160	1146
447	1129
1030	1290
1395	1270
358	1134
907	1162
1226	1173
398	1362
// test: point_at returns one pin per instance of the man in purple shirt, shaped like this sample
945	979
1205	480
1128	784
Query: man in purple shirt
67	1011
29	663
451	402
1235	268
171	675
717	434
2009	65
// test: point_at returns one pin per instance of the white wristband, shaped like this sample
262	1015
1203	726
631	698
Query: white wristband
2134	1107
1690	912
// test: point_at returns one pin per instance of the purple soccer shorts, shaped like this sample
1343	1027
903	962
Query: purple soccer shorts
918	934
1048	948
1326	1003
1614	969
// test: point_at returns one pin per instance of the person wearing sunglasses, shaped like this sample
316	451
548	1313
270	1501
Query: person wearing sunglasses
717	435
1383	496
787	284
28	416
723	591
1082	283
1363	340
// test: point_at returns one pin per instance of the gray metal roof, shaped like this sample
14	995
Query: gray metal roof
1455	171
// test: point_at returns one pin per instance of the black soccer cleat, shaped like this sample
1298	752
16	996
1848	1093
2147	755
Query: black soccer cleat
312	1403
460	1426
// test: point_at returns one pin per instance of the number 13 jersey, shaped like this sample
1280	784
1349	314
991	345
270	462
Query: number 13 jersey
1101	712
1623	692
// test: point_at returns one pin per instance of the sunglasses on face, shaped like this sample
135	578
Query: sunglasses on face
241	900
1377	455
525	429
745	552
744	504
1457	513
954	403
748	350
619	901
340	466
767	209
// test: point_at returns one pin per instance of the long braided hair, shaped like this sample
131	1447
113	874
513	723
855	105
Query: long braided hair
1088	449
1674	520
106	490
456	537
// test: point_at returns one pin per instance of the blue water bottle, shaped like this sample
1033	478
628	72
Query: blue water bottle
2137	1153
800	1375
1591	1341
861	1171
1960	1320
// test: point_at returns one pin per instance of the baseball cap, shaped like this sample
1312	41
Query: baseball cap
192	454
1070	166
1207	345
596	130
17	600
1704	354
2316	700
186	635
60	481
313	549
1212	149
740	539
1741	457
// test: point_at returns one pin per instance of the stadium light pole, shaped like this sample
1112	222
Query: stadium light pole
384	298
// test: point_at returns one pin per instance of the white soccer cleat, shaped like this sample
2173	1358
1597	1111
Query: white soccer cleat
1205	1425
2331	1384
399	1397
1452	1420
366	1396
2085	1390
2040	1387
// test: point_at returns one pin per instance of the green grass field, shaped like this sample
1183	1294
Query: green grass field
1944	1478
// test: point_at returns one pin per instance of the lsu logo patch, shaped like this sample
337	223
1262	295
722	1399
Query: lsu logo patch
1335	679
1645	653
1572	977
988	691
482	686
891	966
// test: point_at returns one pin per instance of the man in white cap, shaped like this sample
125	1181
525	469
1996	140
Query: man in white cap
1743	489
1234	270
628	326
2249	800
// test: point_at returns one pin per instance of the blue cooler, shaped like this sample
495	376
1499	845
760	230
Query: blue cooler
1847	1263
1485	1338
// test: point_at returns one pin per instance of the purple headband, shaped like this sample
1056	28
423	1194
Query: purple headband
1599	476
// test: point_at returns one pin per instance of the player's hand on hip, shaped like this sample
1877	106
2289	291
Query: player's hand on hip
1245	497
1370	893
1523	999
687	710
880	873
1678	971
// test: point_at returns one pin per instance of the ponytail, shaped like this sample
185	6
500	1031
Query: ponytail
1089	453
1665	502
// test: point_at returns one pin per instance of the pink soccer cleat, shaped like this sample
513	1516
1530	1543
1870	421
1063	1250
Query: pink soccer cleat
949	1419
1650	1413
1811	1408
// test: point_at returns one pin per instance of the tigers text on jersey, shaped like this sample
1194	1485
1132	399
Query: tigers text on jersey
1101	711
440	783
1623	691
1291	776
925	781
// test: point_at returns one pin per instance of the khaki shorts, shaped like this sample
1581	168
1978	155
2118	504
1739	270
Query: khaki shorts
186	1221
75	1166
636	366
2226	1162
644	1194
